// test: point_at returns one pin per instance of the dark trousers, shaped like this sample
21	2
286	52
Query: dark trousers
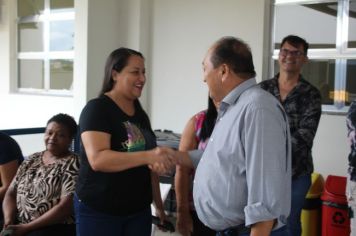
199	228
300	187
91	222
234	231
55	230
246	232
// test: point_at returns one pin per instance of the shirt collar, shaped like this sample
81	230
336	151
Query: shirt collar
234	95
301	79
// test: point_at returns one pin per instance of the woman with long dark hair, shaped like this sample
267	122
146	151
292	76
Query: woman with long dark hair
116	186
195	136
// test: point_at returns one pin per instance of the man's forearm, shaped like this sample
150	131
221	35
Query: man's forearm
189	159
263	228
184	160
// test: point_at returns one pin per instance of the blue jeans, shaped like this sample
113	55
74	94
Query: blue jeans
92	223
300	187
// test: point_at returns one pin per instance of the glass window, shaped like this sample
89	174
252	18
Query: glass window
62	5
62	35
29	8
31	74
61	74
323	37
45	49
30	37
351	81
328	27
352	25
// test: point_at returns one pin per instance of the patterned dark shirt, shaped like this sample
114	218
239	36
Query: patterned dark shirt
351	134
303	107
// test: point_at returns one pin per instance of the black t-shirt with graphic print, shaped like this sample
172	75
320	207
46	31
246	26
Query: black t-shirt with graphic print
123	192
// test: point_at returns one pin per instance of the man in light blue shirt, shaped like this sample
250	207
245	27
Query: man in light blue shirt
243	179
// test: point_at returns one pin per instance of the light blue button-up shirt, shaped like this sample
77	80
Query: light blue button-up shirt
244	174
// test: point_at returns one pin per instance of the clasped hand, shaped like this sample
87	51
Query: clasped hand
164	160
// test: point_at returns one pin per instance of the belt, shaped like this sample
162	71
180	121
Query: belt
234	231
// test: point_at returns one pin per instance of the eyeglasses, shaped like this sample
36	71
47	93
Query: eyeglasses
284	52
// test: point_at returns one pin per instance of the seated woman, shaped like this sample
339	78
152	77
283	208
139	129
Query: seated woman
39	200
10	159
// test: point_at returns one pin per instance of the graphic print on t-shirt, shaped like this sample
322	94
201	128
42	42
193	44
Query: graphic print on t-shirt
135	139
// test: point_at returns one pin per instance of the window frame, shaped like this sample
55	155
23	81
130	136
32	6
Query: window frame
341	53
46	55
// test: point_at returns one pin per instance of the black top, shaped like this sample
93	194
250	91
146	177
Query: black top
124	192
9	149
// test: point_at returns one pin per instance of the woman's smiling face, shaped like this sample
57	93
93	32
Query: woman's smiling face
131	79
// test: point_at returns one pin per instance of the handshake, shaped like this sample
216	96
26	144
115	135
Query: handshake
163	160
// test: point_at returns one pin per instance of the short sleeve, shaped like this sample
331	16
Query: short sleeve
94	116
22	170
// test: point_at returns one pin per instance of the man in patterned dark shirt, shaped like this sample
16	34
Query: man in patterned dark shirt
351	181
302	103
